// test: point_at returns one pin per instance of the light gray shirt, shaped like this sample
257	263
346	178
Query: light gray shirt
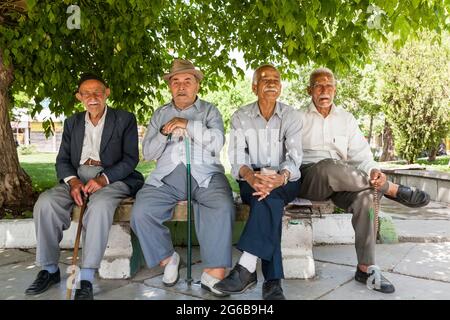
335	137
206	135
257	143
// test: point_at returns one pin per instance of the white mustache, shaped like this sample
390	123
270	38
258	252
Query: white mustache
324	96
270	90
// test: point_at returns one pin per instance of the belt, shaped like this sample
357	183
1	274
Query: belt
90	162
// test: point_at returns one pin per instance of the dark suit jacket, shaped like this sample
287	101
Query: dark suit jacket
119	151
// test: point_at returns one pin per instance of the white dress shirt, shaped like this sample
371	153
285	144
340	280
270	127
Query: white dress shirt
91	141
92	138
337	137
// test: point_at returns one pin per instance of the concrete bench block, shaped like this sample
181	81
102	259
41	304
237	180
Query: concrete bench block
116	262
333	229
296	248
17	234
443	191
68	240
115	268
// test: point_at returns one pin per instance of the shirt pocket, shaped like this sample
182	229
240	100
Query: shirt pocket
341	145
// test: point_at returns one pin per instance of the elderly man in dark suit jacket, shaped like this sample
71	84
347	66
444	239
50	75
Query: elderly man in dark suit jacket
97	157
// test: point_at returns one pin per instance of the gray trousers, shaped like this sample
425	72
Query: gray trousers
52	214
213	212
349	189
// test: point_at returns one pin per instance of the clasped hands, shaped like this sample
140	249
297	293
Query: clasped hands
263	184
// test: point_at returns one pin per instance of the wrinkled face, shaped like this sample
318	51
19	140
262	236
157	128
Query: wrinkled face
322	91
268	84
184	88
93	95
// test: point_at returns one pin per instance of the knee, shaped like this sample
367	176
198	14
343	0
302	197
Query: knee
327	168
141	212
43	205
100	210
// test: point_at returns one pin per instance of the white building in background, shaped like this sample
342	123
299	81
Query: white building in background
29	131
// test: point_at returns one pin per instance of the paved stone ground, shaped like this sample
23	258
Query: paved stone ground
419	268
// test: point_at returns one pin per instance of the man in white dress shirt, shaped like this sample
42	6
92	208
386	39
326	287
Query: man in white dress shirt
338	165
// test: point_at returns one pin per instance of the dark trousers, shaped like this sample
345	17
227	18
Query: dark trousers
262	233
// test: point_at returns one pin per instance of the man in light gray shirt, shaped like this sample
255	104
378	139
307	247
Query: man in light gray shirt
185	117
265	153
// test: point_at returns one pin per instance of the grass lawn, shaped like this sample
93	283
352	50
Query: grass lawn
41	168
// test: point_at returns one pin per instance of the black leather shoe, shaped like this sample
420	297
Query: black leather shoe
239	280
272	290
411	197
85	292
385	285
44	280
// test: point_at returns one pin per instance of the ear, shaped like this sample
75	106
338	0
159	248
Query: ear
309	90
107	92
78	96
255	88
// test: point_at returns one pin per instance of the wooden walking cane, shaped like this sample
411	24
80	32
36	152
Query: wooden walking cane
76	246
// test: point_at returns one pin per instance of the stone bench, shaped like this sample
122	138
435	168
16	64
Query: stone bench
123	255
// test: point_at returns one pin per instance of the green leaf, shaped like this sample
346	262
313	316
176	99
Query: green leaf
30	4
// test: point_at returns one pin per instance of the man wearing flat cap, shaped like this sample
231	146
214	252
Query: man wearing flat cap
185	117
97	158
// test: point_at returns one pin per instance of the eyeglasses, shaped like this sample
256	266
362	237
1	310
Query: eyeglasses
321	87
95	94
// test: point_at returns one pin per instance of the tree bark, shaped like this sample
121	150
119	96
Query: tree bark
16	191
388	143
432	154
369	138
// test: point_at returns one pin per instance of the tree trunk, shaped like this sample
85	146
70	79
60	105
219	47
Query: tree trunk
16	191
432	154
369	138
388	143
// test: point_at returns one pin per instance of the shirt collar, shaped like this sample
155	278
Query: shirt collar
196	104
254	110
312	108
102	119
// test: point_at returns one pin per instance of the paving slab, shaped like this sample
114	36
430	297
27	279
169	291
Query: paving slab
423	230
387	255
328	277
15	278
194	290
406	288
147	273
433	211
429	261
139	291
10	256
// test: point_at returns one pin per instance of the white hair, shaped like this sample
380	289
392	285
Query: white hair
321	71
258	70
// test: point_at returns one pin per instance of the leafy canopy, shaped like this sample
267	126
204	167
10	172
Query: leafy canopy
132	43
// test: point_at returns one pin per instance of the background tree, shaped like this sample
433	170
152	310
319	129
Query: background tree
415	94
133	42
